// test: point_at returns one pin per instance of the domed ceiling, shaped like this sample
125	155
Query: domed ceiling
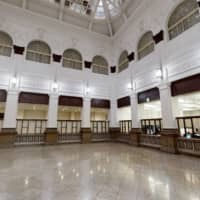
101	16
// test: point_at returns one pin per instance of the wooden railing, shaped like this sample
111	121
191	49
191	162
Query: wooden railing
1	125
100	130
189	127
150	140
30	131
188	146
125	127
69	131
125	130
151	126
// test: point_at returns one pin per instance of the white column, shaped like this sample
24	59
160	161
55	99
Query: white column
134	111
166	106
11	110
53	111
113	114
86	112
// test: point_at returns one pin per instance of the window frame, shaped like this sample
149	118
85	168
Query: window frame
181	22
49	55
98	66
123	63
74	61
141	50
10	47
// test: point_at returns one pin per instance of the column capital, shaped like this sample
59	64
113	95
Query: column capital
86	98
13	92
53	95
113	101
164	86
133	94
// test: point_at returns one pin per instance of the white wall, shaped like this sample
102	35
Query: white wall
180	57
98	114
149	110
24	27
124	113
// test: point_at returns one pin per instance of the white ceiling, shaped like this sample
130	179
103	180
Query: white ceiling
101	16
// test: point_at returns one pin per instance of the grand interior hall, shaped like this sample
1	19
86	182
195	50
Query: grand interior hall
99	99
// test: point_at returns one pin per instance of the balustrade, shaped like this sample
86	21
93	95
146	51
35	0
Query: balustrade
30	131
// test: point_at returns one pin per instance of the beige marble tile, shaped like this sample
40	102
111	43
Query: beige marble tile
97	172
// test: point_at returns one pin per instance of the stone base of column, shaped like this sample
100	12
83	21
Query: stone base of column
135	137
86	135
168	141
7	137
51	136
114	134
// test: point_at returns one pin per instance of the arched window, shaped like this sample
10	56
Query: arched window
72	59
100	65
6	44
183	17
145	45
123	61
39	51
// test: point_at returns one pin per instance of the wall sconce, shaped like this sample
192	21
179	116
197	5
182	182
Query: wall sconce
55	86
159	74
14	81
130	86
87	90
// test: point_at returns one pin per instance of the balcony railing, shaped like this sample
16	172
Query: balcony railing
151	126
30	131
100	130
188	146
189	127
125	127
150	140
69	131
1	125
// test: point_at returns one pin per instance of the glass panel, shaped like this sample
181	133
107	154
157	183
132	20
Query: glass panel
184	17
123	61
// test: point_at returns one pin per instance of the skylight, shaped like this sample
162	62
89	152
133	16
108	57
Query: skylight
98	9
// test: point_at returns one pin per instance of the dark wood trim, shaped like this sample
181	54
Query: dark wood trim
159	37
100	103
3	95
33	98
70	101
153	94
186	85
18	50
113	69
57	58
123	102
131	56
88	64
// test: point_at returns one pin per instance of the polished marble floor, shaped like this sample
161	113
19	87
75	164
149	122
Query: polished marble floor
97	172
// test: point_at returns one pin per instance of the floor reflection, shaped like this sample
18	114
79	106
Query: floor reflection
97	172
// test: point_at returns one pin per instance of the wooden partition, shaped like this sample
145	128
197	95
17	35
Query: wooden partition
30	131
100	130
69	131
125	130
151	126
189	127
